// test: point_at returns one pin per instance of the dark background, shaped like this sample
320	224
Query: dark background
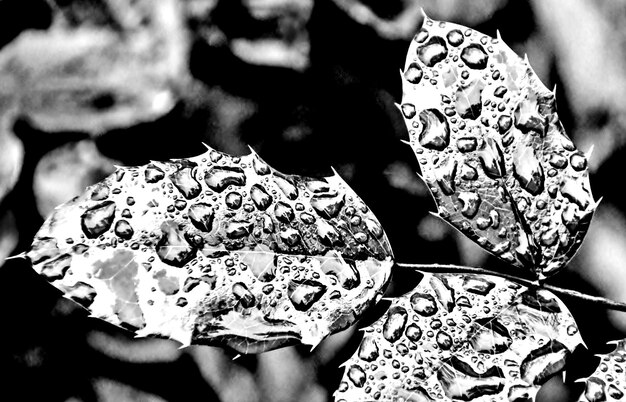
314	87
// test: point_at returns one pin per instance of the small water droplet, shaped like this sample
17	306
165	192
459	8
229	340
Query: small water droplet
356	375
455	37
123	229
201	216
368	350
445	175
100	192
395	323
444	340
433	51
290	236
237	229
435	132
233	200
470	203
408	110
477	285
98	219
303	294
153	174
243	295
423	304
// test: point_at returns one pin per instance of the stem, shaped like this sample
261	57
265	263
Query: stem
437	268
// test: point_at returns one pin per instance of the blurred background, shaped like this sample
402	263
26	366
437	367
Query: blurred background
309	84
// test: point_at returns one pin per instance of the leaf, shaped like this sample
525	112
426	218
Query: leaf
460	337
607	381
492	149
217	250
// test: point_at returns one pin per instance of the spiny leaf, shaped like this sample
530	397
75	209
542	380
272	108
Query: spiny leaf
492	149
608	381
461	337
217	250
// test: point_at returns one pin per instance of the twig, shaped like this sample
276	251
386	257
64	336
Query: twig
437	268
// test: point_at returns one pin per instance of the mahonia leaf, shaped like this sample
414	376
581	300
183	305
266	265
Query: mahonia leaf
608	381
460	337
492	149
217	249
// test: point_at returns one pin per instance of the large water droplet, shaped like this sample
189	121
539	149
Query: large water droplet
218	178
327	206
461	382
98	219
544	362
284	212
260	167
528	119
327	234
491	336
123	229
395	323
100	192
345	272
578	162
185	182
81	293
356	376
290	236
469	100
445	175
172	248
455	37
243	295
368	350
413	73
595	390
474	56
201	216
445	294
303	294
236	229
492	159
542	301
614	392
574	192
153	174
470	203
520	393
504	124
444	340
435	132
468	172
477	285
260	197
56	268
527	169
413	332
424	304
467	144
286	186
233	200
433	51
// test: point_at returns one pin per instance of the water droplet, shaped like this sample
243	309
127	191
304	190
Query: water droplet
424	304
153	174
327	234
527	170
413	332
549	237
467	144
520	393
328	206
455	37
236	229
413	73
233	200
100	192
81	293
98	219
461	382
56	268
260	167
444	340
284	212
574	192
528	119
395	323
185	182
468	172
368	350
504	124
477	285
303	294
290	236
172	248
408	110
491	336
474	56
558	161
492	159
445	294
218	178
286	186
435	132
433	51
307	218
374	228
201	216
544	362
614	392
469	100
123	229
260	197
445	175
356	376
333	264
463	301
500	92
243	294
470	203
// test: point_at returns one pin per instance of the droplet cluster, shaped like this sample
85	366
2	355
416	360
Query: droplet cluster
217	250
491	148
462	337
608	381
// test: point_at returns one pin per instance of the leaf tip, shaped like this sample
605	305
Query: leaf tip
17	256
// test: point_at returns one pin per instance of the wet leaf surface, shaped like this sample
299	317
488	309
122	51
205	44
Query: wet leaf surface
492	149
607	383
462	337
217	250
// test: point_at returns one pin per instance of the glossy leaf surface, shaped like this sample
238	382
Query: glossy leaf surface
608	381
